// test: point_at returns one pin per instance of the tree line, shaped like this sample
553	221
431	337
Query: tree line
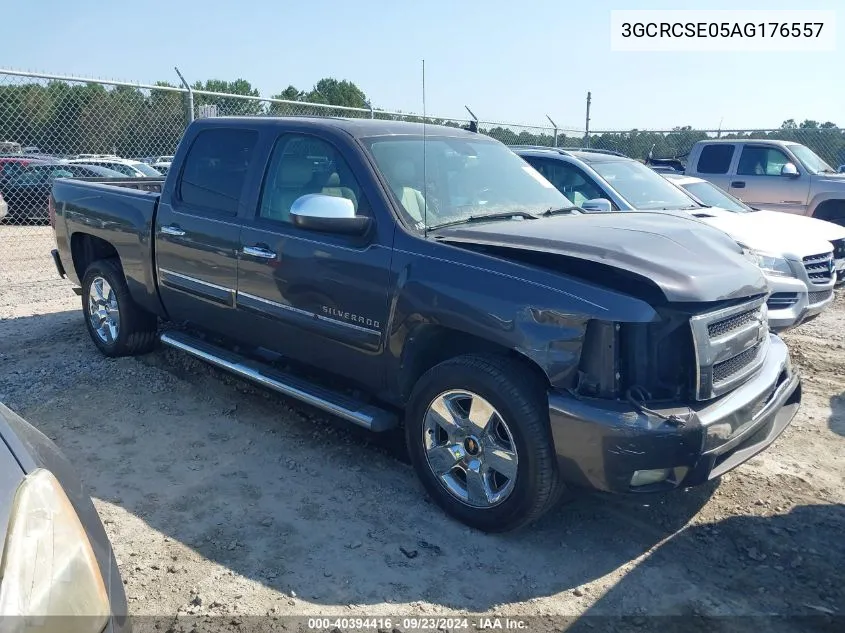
65	118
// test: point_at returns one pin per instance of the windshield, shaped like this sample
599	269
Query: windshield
146	169
811	160
712	196
460	179
641	187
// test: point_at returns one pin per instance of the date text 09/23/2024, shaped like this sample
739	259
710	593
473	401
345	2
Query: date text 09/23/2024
417	623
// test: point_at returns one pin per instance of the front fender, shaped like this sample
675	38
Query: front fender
824	196
541	315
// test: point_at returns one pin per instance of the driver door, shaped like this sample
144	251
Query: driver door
316	297
758	180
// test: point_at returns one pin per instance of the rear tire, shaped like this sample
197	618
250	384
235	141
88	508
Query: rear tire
496	475
116	324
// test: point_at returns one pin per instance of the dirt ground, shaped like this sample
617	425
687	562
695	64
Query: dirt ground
223	499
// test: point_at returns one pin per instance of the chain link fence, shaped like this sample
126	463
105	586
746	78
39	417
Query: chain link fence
58	126
827	142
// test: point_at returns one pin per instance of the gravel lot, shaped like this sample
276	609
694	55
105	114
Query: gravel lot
224	499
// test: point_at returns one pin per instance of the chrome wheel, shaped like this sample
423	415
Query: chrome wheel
103	312
469	448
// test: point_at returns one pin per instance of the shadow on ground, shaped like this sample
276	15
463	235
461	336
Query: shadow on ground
837	416
778	572
278	494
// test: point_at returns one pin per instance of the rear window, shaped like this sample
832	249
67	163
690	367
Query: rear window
715	159
215	169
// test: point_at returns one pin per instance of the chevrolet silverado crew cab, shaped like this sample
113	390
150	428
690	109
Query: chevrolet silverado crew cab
774	175
394	274
798	265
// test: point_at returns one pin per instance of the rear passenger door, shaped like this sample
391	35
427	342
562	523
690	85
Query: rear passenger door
315	297
714	163
197	229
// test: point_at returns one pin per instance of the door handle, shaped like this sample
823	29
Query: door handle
258	251
173	229
738	184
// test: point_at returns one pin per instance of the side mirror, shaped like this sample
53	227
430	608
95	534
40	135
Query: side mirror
597	204
331	214
789	170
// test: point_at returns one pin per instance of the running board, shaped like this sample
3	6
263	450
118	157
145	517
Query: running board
360	413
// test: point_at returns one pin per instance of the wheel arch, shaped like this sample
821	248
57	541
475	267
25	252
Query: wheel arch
432	344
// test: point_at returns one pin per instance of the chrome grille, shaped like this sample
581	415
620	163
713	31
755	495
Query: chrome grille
724	370
819	268
720	328
730	346
819	296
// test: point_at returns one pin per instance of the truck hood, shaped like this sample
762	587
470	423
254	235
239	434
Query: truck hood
686	259
770	231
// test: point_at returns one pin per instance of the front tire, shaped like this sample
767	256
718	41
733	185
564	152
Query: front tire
116	324
477	430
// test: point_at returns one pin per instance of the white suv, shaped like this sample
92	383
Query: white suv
798	267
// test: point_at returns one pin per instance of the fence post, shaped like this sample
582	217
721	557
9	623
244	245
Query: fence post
554	125
190	95
587	124
473	124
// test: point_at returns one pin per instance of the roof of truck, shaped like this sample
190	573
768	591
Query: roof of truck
770	141
356	127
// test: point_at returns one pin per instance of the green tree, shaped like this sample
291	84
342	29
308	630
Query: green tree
229	106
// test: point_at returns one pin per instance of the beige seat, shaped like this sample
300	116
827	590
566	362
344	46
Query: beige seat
293	174
332	187
401	177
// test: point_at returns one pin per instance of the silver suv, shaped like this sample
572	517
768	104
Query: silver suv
776	175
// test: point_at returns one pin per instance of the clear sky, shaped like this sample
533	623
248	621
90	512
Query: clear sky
509	60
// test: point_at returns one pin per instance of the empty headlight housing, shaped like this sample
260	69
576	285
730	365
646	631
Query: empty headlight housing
49	571
770	263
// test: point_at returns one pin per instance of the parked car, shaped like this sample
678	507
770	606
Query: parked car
776	175
135	169
162	167
526	345
10	164
798	266
27	189
787	224
57	559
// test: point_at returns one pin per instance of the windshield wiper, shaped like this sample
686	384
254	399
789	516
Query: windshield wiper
550	212
506	215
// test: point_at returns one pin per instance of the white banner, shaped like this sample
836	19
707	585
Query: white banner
721	31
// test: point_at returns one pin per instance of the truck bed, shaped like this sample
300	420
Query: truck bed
115	212
143	184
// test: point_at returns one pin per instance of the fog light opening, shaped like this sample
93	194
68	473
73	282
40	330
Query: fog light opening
648	477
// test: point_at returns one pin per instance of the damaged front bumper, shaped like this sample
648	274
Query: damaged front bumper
614	447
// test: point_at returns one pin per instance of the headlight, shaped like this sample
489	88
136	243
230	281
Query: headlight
48	567
769	263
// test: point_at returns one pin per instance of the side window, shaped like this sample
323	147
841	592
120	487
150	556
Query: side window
215	169
715	159
568	179
301	165
761	161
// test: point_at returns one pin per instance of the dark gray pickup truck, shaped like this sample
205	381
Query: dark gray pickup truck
390	274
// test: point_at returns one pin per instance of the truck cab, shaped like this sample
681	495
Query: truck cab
771	174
